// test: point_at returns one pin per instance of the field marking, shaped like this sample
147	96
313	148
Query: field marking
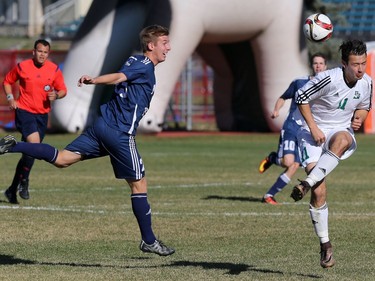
202	214
192	185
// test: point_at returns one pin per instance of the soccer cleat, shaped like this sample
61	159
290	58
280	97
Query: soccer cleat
6	143
266	162
23	189
11	196
300	190
157	247
326	256
269	200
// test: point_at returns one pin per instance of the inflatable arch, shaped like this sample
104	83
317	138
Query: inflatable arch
255	49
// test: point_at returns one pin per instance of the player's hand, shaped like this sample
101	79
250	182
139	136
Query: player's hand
275	114
52	95
85	79
356	123
12	104
318	136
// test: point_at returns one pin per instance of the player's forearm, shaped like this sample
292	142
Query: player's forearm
361	113
359	117
110	79
279	104
8	92
60	94
307	115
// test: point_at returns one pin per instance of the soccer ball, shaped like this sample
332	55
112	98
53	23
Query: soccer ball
318	28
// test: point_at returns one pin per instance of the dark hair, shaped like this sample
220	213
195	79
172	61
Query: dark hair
320	55
352	47
43	42
150	34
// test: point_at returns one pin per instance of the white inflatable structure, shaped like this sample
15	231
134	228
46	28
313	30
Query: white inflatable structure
109	34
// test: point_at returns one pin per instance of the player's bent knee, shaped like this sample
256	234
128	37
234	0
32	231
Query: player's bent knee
66	158
287	162
342	140
295	166
60	165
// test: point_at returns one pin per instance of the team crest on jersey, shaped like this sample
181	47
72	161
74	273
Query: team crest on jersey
130	60
357	95
47	88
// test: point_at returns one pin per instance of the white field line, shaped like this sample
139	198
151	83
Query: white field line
199	214
193	185
93	210
211	184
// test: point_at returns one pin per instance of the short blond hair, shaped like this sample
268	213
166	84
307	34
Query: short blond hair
150	34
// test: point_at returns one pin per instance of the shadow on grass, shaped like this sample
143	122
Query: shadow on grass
231	268
233	198
11	260
6	201
236	269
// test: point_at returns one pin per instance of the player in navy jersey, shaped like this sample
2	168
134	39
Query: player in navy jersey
287	155
113	133
332	106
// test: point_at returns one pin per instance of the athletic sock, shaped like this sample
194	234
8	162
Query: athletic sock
27	164
41	151
142	212
280	183
326	164
17	177
319	218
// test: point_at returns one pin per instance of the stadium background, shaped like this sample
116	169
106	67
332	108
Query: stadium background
191	106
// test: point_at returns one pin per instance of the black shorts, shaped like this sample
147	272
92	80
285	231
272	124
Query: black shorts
28	123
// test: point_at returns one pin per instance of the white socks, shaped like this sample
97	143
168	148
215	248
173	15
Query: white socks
326	164
319	218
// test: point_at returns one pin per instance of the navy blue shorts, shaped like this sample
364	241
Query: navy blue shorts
288	144
28	123
101	140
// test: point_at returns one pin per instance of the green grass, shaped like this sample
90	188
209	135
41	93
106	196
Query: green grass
205	195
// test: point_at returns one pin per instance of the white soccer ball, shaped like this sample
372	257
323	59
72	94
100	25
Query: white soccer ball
318	28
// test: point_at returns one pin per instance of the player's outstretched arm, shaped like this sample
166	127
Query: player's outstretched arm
278	105
109	79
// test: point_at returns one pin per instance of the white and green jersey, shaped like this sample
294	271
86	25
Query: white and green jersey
331	100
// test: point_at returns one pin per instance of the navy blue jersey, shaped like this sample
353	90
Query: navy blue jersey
290	94
113	133
288	135
131	99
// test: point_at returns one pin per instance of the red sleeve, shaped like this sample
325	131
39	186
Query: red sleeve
12	76
59	83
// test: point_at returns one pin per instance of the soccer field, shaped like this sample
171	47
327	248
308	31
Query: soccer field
205	193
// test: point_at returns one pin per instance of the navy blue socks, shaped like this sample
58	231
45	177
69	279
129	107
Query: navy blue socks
41	151
142	212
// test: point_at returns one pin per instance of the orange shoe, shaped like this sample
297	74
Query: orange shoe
270	200
266	162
